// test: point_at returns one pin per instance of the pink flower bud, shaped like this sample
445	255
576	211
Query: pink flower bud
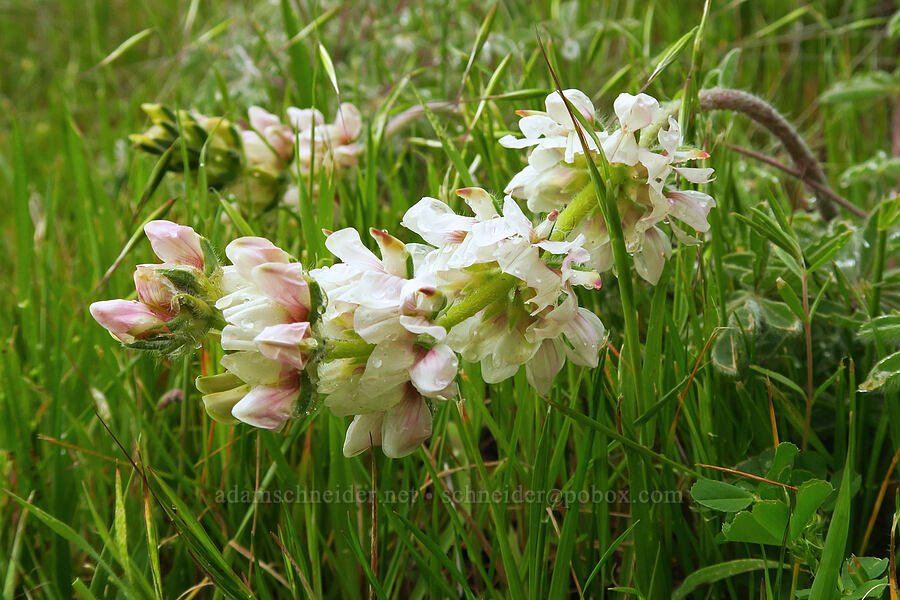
126	320
154	290
288	344
406	426
175	243
284	284
260	118
268	407
249	252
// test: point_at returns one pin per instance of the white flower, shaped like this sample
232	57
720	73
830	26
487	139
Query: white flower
551	176
321	144
509	240
400	430
269	144
266	308
531	325
388	302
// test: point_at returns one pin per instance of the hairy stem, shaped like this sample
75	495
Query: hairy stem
482	296
765	114
348	349
574	212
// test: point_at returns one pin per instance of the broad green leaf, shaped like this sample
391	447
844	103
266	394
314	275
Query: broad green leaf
862	568
810	497
784	457
765	524
719	495
889	213
780	316
728	354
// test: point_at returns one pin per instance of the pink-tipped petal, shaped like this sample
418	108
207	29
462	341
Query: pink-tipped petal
125	319
285	284
249	252
268	407
287	344
174	243
346	245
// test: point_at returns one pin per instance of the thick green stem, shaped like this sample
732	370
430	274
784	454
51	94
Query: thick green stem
347	349
481	297
574	213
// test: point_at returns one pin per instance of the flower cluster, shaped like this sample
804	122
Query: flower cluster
188	133
640	175
267	304
380	337
259	165
174	309
529	314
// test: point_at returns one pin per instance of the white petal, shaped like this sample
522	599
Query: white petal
377	324
511	141
286	344
435	370
363	433
393	252
541	370
268	407
174	243
285	285
534	126
346	245
635	112
691	207
302	119
349	121
405	427
585	335
420	325
557	110
695	174
436	222
253	368
651	258
479	201
542	159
